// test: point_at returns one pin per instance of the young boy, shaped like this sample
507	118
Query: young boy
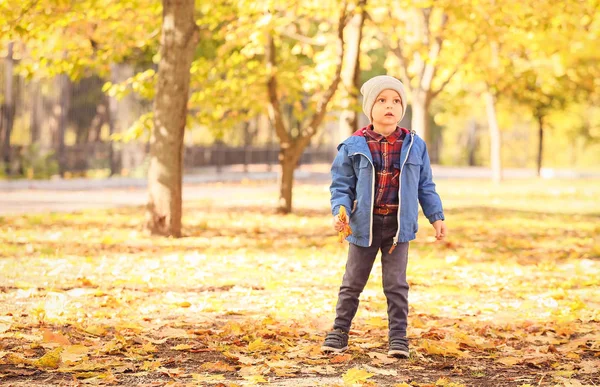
379	175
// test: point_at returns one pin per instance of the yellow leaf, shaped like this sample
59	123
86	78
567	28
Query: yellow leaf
256	345
184	304
74	353
149	347
218	366
377	322
182	347
402	385
255	379
346	230
573	355
355	375
445	348
50	360
445	382
95	330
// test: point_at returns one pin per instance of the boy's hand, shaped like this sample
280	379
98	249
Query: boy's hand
338	225
440	229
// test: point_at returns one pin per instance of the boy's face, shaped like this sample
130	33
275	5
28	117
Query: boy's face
387	109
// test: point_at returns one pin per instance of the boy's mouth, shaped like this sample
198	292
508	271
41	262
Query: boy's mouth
389	115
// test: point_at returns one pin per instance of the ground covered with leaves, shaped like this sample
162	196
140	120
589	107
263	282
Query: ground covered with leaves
511	298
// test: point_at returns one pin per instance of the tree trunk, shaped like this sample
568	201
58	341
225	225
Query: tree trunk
36	112
540	118
129	155
8	109
63	115
250	131
288	160
178	40
420	114
351	71
471	142
291	147
495	139
101	117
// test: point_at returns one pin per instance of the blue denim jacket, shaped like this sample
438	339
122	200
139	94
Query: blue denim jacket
353	183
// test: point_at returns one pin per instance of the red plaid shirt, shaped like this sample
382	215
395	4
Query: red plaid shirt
386	159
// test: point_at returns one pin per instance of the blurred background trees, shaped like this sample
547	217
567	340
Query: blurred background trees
508	84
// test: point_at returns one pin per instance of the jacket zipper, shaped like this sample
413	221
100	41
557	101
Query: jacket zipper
372	195
412	140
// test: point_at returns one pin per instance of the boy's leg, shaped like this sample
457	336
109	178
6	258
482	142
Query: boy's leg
395	285
358	268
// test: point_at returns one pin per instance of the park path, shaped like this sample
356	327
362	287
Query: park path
25	196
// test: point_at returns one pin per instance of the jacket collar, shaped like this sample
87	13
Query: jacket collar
357	143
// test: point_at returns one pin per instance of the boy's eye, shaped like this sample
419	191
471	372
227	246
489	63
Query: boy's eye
381	99
396	101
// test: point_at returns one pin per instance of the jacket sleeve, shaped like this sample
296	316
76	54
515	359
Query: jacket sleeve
428	198
343	182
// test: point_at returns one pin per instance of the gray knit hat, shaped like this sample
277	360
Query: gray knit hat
371	89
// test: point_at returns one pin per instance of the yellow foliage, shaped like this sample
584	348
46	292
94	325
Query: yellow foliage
355	375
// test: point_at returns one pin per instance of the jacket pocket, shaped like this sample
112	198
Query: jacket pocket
412	168
360	162
414	159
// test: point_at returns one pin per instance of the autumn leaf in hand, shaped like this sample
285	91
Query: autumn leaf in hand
346	230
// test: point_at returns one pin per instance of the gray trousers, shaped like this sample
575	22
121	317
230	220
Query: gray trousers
359	265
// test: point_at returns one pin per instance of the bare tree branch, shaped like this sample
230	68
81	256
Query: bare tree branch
303	39
274	108
309	131
468	52
430	68
397	50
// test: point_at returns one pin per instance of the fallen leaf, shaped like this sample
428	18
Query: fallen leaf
341	359
381	371
54	337
377	322
257	345
149	348
218	366
74	353
282	364
355	375
247	359
95	330
255	379
445	348
254	370
182	347
382	358
51	359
